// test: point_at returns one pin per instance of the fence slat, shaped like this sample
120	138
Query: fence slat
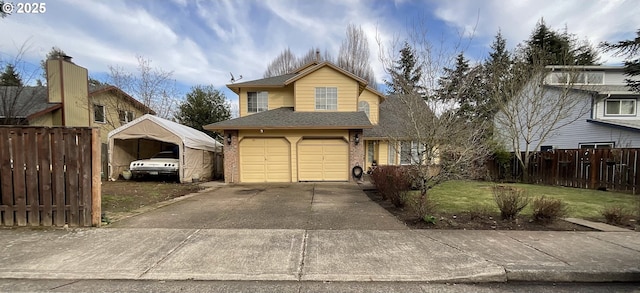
6	177
58	176
85	177
44	177
33	198
71	183
19	188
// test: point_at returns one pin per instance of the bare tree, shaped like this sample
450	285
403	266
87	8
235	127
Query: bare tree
434	144
354	54
285	63
530	111
19	100
432	141
152	86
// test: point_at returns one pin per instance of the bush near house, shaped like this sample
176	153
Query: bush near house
547	210
392	183
510	200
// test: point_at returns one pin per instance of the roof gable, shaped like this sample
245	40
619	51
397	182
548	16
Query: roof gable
302	72
96	90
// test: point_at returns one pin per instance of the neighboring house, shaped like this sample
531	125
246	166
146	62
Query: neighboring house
605	116
68	100
111	108
304	126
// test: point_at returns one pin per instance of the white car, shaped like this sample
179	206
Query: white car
164	163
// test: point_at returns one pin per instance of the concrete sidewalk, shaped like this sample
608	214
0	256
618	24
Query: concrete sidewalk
320	255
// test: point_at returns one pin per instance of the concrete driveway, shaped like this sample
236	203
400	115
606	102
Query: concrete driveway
310	206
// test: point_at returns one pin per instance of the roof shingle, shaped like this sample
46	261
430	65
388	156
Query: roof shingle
287	118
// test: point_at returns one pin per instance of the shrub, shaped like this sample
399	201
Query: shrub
510	200
616	214
547	210
392	183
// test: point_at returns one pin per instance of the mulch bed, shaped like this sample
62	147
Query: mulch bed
466	221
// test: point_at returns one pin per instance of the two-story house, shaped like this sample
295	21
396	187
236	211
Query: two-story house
68	100
303	126
605	112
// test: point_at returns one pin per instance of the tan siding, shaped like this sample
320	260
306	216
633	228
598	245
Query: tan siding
374	106
383	153
112	103
242	102
44	120
76	95
278	98
326	77
293	137
53	81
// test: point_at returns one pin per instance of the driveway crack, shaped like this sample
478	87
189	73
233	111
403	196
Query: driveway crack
171	252
302	255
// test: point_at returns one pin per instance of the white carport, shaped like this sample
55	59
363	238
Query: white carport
147	135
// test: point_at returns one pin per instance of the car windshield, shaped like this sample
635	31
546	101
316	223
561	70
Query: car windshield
165	155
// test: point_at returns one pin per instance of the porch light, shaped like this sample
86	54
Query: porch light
229	139
357	138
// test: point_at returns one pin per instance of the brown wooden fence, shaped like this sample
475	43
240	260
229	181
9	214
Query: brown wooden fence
49	176
611	169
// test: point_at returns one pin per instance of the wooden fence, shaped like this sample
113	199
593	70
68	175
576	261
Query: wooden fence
610	169
49	176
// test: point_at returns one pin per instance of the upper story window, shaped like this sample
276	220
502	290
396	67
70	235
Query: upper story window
125	116
326	98
257	102
588	77
624	107
364	107
99	114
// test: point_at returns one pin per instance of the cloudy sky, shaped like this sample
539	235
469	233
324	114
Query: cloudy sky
202	41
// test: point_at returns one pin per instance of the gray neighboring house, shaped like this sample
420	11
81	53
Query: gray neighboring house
24	105
611	118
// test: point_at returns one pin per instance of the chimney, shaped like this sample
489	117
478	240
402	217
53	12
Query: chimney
317	55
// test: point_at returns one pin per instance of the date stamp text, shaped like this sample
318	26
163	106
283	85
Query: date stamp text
23	7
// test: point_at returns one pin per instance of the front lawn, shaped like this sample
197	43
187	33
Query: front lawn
460	196
121	197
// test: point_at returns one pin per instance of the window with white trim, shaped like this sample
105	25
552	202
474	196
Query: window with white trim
363	106
257	102
596	145
587	77
99	114
125	116
411	152
326	98
623	107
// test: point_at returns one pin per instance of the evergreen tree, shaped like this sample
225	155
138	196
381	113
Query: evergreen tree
54	53
557	48
203	105
10	77
405	73
630	49
462	86
496	69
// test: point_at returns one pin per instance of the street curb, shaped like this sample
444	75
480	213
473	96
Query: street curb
571	275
